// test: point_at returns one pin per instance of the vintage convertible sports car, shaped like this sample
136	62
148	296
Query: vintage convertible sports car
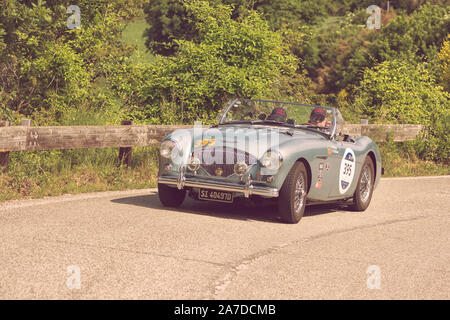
293	153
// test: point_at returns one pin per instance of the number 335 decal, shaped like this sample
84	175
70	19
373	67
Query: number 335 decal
347	170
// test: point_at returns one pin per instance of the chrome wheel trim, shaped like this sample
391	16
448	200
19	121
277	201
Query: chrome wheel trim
299	195
365	184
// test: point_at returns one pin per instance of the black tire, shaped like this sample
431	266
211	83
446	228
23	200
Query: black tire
170	197
364	188
289	210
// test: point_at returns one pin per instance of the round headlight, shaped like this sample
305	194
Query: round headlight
240	168
271	160
194	164
167	148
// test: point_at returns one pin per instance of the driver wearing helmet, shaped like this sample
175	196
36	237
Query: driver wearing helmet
278	114
318	117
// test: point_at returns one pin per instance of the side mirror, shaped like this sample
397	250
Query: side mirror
344	137
348	138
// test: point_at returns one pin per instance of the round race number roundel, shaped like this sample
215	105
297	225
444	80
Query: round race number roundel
347	170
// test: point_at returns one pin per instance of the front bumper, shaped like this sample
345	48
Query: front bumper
246	188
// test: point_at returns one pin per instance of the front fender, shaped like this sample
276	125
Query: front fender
364	147
293	151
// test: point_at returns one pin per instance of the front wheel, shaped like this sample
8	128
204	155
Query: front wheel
170	197
292	198
364	188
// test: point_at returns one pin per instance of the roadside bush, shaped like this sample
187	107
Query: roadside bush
434	142
402	92
398	91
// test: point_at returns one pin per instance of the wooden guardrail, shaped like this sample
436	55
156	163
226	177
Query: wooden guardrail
380	132
127	135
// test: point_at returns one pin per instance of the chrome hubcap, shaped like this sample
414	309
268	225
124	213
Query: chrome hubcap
365	184
300	193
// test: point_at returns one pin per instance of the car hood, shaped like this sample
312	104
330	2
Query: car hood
254	140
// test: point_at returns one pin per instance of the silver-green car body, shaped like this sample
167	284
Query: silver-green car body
333	160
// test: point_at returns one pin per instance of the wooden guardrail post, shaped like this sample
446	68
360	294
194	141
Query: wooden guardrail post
125	152
4	156
25	122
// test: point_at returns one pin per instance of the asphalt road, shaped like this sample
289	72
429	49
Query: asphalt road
126	245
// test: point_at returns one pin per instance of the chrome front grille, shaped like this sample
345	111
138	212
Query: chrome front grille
222	158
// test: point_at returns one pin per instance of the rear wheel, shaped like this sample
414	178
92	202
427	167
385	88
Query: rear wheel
292	198
364	188
170	197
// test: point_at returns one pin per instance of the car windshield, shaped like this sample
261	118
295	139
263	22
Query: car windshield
277	113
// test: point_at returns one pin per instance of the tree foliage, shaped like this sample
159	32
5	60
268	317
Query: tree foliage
45	68
169	20
337	54
444	56
228	58
397	91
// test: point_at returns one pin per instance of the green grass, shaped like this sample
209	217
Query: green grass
133	35
52	173
400	167
400	160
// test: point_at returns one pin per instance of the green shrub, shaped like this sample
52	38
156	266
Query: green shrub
401	92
